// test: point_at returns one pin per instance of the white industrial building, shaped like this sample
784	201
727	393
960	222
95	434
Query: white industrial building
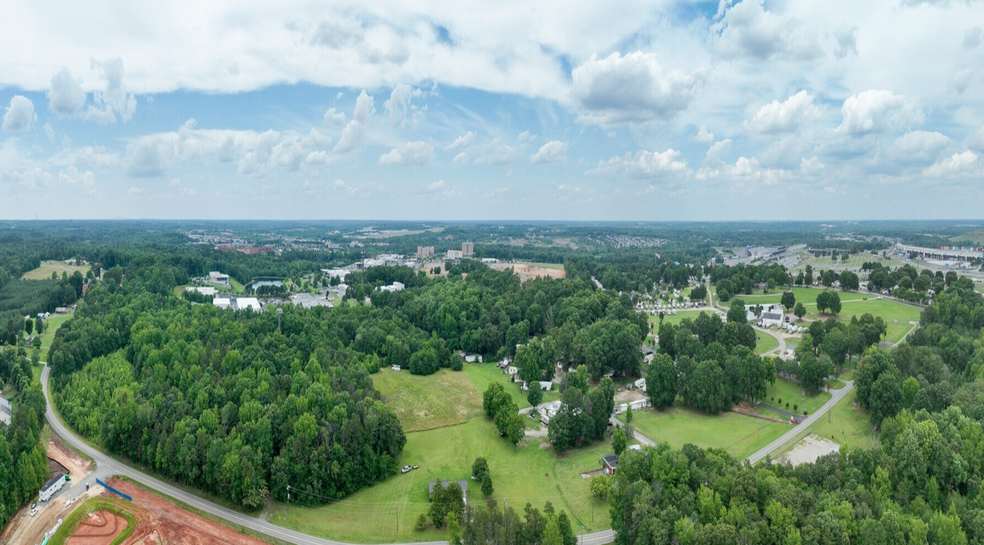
204	290
5	411
215	277
238	303
395	286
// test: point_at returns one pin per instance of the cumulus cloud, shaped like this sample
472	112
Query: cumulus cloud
748	29
785	153
784	117
961	80
642	164
411	153
434	186
972	37
65	97
631	89
875	111
335	118
86	180
460	159
19	116
554	152
354	133
919	146
976	141
460	143
703	135
399	102
955	165
496	152
112	100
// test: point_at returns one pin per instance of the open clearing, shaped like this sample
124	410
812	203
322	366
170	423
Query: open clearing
529	271
58	267
846	424
483	374
426	402
790	392
807	296
530	473
738	434
808	449
897	315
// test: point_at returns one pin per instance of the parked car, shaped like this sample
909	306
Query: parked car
405	469
34	509
415	467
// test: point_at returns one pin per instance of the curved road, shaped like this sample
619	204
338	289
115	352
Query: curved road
109	466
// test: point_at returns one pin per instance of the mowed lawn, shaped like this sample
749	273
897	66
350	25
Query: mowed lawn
790	392
765	343
445	398
387	511
890	310
483	374
807	296
58	267
738	434
846	425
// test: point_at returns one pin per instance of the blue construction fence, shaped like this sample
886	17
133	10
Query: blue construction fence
114	491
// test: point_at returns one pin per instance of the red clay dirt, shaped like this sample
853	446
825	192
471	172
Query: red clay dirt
163	522
99	528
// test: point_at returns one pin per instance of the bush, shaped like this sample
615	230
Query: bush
787	405
804	412
780	402
421	523
796	407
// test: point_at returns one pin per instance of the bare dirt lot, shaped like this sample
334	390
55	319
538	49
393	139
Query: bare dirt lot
98	528
77	466
809	449
527	271
168	523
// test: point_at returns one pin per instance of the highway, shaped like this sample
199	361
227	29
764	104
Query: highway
109	466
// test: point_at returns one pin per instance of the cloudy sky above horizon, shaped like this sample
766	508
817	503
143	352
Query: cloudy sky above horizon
656	110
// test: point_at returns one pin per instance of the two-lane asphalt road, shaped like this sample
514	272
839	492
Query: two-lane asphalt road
109	466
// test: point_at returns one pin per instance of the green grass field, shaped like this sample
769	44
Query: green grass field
427	402
387	512
738	434
554	266
483	374
847	425
58	267
92	505
790	392
889	310
853	262
807	296
765	343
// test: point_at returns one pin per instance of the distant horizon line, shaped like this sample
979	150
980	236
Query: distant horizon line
480	221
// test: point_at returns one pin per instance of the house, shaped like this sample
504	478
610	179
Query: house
215	277
454	254
771	319
5	411
548	410
511	370
61	310
461	482
54	485
609	463
545	385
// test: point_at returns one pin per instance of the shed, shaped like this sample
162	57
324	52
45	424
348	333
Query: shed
609	463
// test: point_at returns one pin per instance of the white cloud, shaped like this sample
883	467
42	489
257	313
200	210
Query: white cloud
460	143
354	133
49	132
335	118
434	186
399	102
496	152
961	80
976	141
112	100
875	111
955	165
136	191
748	29
554	152
812	165
785	153
642	164
65	95
632	89
716	151
846	37
784	117
460	159
73	176
919	146
703	135
411	153
19	116
972	37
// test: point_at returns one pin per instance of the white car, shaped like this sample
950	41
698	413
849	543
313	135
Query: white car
34	509
405	469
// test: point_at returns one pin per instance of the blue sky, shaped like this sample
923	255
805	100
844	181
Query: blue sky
659	110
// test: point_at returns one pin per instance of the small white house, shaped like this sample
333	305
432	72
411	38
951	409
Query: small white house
5	411
396	368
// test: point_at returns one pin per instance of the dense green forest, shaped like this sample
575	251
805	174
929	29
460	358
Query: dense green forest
23	458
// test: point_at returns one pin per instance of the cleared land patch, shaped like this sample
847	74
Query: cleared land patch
738	434
445	398
58	267
897	315
387	511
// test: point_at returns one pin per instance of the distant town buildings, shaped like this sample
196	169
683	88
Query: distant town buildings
238	303
335	273
395	286
425	252
467	249
455	254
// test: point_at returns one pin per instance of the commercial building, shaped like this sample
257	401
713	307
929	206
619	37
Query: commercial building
455	254
238	303
467	249
216	277
425	252
395	286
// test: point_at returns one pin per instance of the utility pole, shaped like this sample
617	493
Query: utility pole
397	518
